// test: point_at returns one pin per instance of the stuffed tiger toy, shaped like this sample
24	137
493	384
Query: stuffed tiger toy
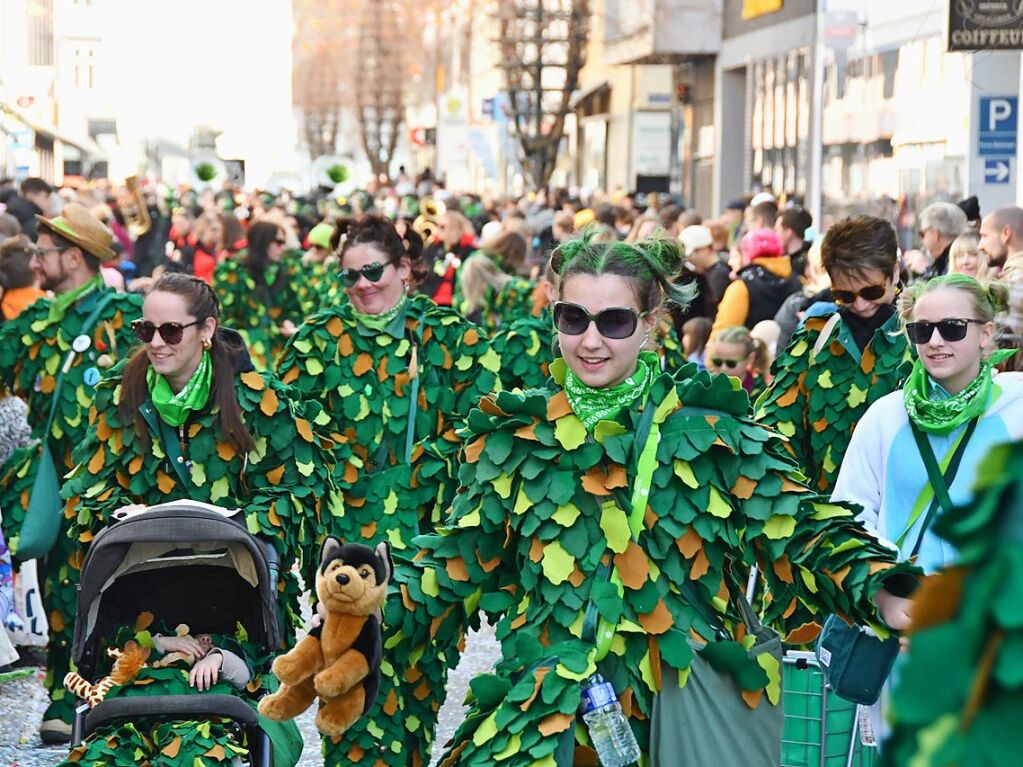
127	664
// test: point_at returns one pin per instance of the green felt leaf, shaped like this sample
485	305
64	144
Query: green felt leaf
605	429
717	505
570	432
779	526
486	730
566	515
557	563
615	525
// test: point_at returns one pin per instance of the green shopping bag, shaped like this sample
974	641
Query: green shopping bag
42	517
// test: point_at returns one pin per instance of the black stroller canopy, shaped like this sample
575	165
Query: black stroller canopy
183	562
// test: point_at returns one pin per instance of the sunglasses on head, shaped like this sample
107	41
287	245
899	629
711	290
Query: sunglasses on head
950	330
617	322
170	332
721	362
372	272
868	293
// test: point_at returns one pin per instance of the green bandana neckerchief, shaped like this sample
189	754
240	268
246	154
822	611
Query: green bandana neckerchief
61	302
380	322
941	416
592	405
173	408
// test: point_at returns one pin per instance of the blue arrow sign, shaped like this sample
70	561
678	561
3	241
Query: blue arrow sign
997	171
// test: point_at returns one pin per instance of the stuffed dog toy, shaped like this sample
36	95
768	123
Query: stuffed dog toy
338	661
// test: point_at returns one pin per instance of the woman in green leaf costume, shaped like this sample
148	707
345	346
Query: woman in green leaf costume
259	291
321	285
153	663
187	417
845	356
609	523
397	375
968	632
490	296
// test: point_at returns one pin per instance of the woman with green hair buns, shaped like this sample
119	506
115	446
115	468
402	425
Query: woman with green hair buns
397	374
608	523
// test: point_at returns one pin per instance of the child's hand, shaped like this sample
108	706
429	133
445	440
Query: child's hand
183	644
206	672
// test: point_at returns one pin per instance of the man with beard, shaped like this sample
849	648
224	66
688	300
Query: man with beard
58	348
1001	240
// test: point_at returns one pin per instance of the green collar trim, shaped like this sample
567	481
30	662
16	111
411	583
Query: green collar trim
887	334
391	322
174	408
61	302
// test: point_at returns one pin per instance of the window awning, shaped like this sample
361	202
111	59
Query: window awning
84	144
581	98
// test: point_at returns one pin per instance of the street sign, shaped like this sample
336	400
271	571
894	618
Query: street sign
997	171
992	25
998	122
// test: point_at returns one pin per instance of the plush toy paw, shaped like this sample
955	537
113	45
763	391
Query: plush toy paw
328	685
288	669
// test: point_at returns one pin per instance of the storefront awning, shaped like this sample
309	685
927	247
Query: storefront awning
580	99
83	144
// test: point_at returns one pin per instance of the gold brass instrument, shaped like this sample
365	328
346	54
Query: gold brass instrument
134	209
428	221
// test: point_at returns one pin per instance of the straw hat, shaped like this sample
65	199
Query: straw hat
77	224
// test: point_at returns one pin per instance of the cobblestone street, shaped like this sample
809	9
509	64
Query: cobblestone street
22	702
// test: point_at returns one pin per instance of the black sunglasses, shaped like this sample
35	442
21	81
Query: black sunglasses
617	322
170	332
869	293
950	330
720	362
372	272
281	242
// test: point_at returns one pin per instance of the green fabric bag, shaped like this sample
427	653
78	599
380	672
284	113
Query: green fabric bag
41	525
286	739
42	518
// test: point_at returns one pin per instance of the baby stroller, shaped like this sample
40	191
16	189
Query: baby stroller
157	560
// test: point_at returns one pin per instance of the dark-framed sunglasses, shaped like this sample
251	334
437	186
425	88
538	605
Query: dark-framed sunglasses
170	332
615	322
868	293
372	272
951	329
721	362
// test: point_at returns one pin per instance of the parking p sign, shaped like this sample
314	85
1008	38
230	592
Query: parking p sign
998	123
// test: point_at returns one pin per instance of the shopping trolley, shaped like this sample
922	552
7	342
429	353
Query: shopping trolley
821	729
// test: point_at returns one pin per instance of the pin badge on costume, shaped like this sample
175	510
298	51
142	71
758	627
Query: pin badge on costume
81	343
91	377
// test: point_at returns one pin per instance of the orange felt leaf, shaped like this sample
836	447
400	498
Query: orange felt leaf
471	337
193	430
538	677
616	477
555	723
820	425
335	327
838	576
536	550
489	406
783	568
752	697
363	364
658	620
268	404
788	486
937	599
633	566
558	406
85	536
172	748
47	384
382	370
226	451
303	429
789	397
790	609
103	430
490	565
474	449
291	376
135	465
390	706
144	621
457	570
576	577
743	488
57	620
217	752
867	360
594	481
700	566
805	633
272	514
878	567
98	458
253	380
690	543
275	475
165	483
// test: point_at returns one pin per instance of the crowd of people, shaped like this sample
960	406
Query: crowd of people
587	419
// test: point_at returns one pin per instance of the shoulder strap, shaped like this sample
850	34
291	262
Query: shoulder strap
87	326
825	336
939	483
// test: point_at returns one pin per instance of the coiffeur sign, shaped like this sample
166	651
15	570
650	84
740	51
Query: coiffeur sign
753	8
993	25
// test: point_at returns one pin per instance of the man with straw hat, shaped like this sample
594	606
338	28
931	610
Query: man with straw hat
52	356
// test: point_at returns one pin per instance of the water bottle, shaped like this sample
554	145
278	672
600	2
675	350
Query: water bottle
607	726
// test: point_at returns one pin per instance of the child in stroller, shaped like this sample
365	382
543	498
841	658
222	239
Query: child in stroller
182	597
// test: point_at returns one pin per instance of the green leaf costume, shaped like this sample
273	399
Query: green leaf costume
257	311
816	401
542	507
284	485
501	307
32	352
968	633
364	381
321	286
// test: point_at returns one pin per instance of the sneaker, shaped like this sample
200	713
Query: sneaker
54	732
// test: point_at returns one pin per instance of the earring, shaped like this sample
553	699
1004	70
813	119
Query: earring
207	343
